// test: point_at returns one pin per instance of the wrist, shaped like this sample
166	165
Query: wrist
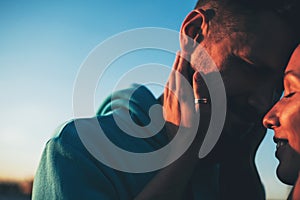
184	55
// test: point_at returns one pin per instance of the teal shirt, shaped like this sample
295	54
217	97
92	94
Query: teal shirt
68	171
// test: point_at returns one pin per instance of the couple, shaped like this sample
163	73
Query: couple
251	43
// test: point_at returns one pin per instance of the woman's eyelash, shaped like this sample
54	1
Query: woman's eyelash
289	95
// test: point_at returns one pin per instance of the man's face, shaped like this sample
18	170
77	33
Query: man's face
284	119
251	65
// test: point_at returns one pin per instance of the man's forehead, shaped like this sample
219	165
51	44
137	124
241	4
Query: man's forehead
270	45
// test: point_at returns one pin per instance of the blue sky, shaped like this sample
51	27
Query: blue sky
42	46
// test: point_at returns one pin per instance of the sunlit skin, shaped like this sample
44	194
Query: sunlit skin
284	119
251	65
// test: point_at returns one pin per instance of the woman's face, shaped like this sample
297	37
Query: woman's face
284	119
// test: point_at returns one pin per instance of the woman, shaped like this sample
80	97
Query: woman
284	119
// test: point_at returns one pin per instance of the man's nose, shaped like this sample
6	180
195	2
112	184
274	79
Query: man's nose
271	119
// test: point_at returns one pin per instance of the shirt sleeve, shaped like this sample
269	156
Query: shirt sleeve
63	158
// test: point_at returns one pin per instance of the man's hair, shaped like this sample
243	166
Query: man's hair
275	5
231	14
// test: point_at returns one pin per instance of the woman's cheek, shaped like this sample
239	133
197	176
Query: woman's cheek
294	139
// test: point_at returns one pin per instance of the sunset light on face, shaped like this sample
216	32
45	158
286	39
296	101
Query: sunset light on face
42	46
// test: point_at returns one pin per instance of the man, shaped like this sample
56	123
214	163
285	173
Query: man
249	45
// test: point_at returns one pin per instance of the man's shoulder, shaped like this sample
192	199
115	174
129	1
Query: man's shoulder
122	118
70	131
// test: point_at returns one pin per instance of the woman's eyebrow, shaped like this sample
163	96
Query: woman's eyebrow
291	73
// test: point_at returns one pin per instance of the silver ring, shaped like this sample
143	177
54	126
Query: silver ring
201	101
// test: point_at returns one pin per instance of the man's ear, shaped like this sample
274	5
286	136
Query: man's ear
193	30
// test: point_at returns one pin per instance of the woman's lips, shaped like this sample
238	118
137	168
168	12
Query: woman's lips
280	146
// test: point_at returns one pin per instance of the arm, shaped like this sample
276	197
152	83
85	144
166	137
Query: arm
180	111
172	181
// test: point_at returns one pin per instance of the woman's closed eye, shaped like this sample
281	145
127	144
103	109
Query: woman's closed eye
290	94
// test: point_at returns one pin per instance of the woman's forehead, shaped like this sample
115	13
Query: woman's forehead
294	62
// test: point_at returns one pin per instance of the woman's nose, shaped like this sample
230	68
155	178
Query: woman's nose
271	119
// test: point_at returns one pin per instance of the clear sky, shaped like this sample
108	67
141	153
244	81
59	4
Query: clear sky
43	44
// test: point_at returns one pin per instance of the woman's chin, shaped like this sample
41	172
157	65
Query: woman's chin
286	175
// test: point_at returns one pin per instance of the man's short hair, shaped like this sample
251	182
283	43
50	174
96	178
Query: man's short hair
231	14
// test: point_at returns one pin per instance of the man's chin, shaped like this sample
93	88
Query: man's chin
213	157
228	144
218	153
